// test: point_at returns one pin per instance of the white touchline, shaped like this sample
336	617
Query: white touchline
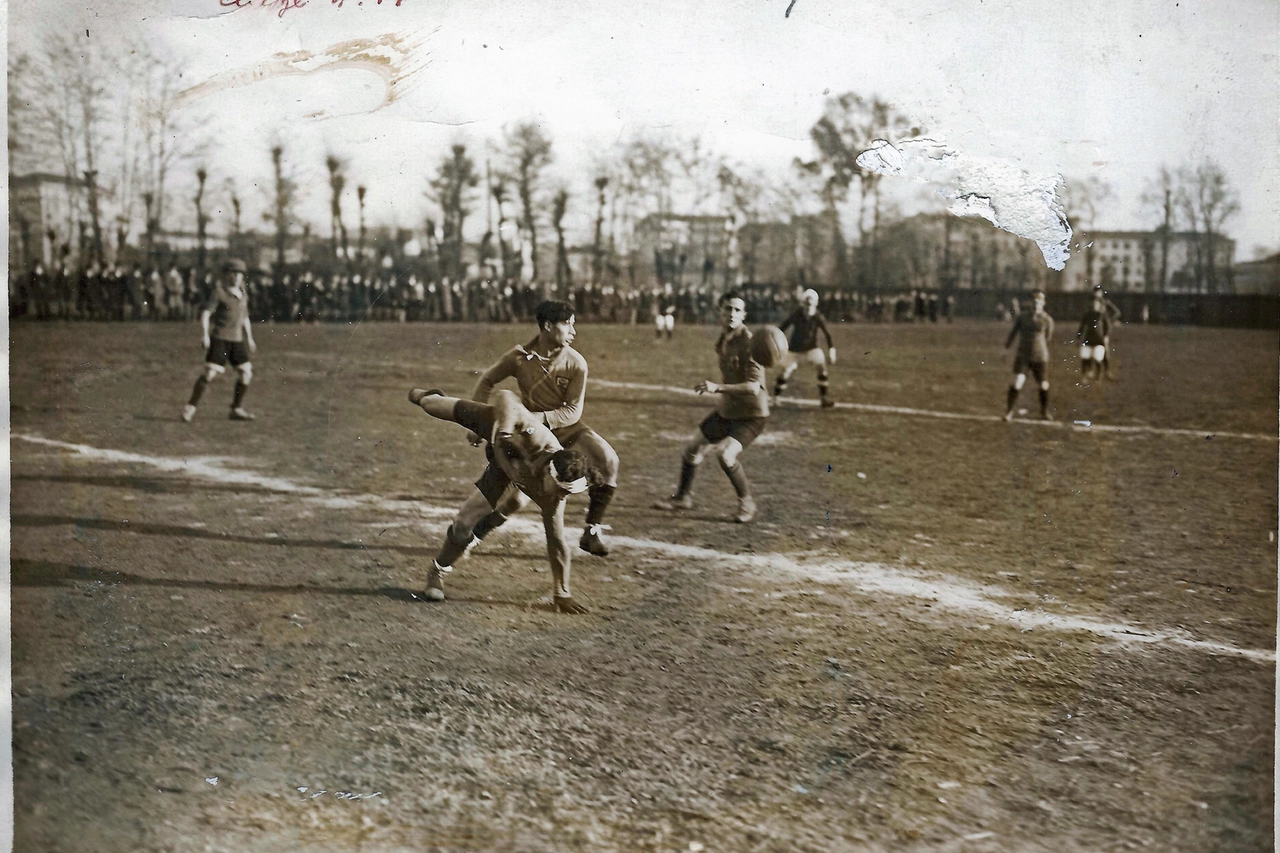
1078	426
869	578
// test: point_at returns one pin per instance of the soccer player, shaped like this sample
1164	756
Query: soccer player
227	337
552	376
665	312
737	421
1094	334
1032	331
528	464
805	322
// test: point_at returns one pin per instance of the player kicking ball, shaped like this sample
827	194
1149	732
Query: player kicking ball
805	322
528	464
741	414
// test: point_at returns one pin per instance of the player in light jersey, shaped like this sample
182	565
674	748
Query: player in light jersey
1032	331
528	464
805	322
227	337
552	377
737	421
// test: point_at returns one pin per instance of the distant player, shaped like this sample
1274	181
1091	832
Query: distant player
737	421
1113	314
1032	331
528	464
227	337
665	312
805	322
1095	335
552	376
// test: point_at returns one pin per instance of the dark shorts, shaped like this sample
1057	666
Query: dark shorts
220	352
478	417
716	428
1038	369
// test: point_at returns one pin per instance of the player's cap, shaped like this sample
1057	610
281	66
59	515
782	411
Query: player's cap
234	265
809	295
1039	294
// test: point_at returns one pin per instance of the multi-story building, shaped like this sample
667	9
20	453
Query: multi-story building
47	214
1145	262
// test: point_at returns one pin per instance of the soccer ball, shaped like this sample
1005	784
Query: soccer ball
768	345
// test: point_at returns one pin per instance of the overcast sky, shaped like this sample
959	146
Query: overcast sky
1112	90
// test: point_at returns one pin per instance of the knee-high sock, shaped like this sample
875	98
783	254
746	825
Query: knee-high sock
780	385
687	470
488	524
198	391
455	542
1044	401
600	497
239	395
738	477
824	379
1010	398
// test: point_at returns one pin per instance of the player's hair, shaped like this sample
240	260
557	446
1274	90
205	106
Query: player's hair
730	294
552	311
569	465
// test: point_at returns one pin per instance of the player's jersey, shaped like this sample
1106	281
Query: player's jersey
737	366
555	387
228	311
804	330
1032	332
1095	326
666	304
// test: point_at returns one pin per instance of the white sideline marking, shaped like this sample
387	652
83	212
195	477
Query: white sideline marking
869	578
1077	426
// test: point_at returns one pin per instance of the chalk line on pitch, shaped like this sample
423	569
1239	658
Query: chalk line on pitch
963	416
867	577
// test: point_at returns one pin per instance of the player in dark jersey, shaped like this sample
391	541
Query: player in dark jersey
805	322
528	464
1032	331
552	377
664	319
1095	335
740	417
227	336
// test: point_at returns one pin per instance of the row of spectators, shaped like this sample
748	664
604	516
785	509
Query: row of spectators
117	293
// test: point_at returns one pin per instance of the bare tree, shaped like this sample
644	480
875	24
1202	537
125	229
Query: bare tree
1083	199
1160	196
564	275
528	153
450	188
360	192
285	192
597	243
337	182
499	193
1207	201
202	220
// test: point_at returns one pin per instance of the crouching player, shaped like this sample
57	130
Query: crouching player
527	464
805	322
737	421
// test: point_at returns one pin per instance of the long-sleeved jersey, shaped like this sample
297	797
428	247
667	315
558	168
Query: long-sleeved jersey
1032	331
1095	327
737	366
804	330
554	387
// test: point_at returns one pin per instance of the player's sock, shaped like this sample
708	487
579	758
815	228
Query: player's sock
455	544
824	381
738	477
1044	402
1011	397
239	395
600	497
488	524
198	391
779	385
687	470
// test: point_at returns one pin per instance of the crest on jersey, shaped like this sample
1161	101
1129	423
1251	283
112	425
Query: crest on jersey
562	382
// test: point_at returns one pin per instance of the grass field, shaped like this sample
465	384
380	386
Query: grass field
942	632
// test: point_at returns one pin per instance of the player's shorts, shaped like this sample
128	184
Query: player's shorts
1036	368
816	356
665	322
1092	352
745	430
220	352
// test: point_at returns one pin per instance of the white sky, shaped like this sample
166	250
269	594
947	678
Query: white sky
1088	88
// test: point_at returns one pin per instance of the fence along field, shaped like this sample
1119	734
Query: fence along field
972	643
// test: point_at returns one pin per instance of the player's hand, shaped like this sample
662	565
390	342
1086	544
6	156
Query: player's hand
566	604
831	355
475	438
706	386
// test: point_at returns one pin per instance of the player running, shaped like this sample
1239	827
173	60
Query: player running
1095	336
552	376
805	322
740	417
1032	331
528	464
227	337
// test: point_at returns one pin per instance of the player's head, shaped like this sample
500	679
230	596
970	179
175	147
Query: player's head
555	322
809	298
1098	298
568	471
733	309
1038	298
235	270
